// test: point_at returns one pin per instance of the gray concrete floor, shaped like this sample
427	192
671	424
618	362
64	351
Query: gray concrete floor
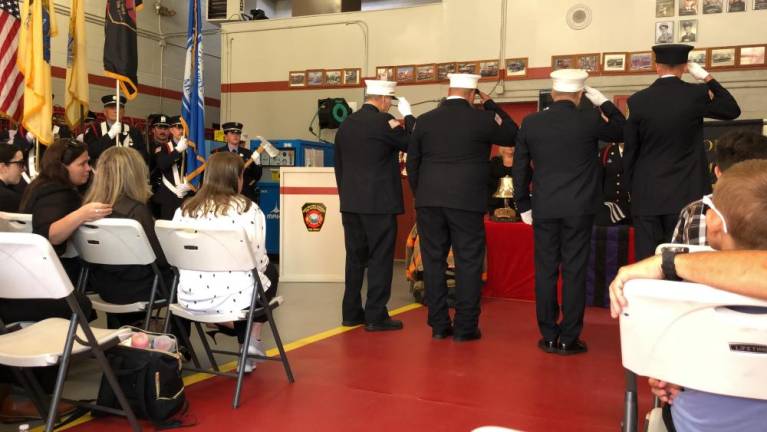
309	308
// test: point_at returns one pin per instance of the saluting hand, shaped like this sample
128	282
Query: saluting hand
483	97
595	96
697	71
94	211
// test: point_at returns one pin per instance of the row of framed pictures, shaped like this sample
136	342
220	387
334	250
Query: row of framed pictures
324	77
666	9
628	62
435	72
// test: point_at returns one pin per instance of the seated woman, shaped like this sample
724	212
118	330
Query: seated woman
220	203
122	182
11	167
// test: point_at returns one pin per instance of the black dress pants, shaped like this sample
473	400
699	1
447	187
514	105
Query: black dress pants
650	231
439	228
565	242
369	241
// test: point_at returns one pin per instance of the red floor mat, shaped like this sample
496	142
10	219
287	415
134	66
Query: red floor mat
405	381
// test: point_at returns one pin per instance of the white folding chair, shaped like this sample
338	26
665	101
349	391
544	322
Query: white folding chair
212	249
118	242
15	222
30	269
669	327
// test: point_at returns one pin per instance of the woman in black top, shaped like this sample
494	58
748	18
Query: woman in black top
11	167
499	167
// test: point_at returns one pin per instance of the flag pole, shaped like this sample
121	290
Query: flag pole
117	105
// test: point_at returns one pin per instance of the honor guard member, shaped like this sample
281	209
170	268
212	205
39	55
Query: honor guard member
171	188
89	122
664	158
557	152
158	134
113	132
617	203
447	170
370	189
253	170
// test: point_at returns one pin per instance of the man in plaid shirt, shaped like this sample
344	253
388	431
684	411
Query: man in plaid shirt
733	147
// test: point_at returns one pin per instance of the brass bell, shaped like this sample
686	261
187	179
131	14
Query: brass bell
505	191
505	188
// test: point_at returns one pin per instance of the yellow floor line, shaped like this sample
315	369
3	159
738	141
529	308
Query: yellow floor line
227	367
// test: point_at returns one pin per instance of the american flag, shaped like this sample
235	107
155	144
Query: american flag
11	81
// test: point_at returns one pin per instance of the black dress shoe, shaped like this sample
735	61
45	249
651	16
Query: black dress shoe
476	334
549	346
576	347
352	323
442	334
385	325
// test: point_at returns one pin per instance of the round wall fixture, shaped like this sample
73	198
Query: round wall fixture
579	17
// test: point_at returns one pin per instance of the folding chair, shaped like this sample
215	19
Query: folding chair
15	222
672	326
212	249
30	269
630	416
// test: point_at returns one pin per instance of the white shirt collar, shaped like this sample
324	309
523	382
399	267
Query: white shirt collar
667	76
454	97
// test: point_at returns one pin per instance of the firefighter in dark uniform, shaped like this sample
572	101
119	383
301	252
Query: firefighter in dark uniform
664	158
370	190
447	170
253	170
617	203
168	177
107	132
566	195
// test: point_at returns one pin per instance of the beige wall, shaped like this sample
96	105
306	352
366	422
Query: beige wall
453	30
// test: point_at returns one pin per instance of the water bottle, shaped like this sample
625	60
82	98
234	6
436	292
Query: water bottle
163	343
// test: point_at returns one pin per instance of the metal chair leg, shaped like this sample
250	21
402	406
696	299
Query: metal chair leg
63	367
150	305
206	346
246	342
278	341
630	403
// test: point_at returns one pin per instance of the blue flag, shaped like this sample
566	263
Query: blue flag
193	100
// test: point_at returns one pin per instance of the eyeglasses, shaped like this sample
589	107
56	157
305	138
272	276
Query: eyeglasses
708	202
20	163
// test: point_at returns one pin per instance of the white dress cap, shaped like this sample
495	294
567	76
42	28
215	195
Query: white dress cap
380	88
462	80
568	80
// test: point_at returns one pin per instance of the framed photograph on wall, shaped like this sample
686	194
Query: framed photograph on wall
760	5
352	76
722	57
445	68
688	30
751	56
405	73
587	62
488	69
315	77
699	56
664	8
516	67
334	77
640	61
736	6
467	67
713	6
614	62
688	7
426	72
385	73
562	62
664	32
297	79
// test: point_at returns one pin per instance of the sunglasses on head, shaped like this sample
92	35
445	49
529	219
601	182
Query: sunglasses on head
709	202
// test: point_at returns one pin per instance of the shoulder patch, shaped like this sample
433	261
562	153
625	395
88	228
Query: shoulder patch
498	119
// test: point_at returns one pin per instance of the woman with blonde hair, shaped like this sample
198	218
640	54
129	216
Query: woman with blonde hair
220	203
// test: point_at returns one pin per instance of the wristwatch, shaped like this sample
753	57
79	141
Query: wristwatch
667	262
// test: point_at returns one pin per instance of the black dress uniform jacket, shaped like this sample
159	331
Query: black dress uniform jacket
252	173
98	140
448	154
664	157
367	161
166	160
562	144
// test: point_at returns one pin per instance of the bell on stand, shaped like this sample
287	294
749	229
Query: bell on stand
505	191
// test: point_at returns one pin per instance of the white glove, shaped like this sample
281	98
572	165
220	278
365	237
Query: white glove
256	158
527	217
183	189
30	137
404	107
182	145
269	148
115	129
595	96
696	71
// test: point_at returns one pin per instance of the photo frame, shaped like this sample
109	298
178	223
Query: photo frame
467	67
688	31
405	73
385	73
334	77
297	79
614	62
736	6
664	32
699	56
722	57
688	7
516	67
759	5
664	8
562	62
713	6
752	55
427	72
443	69
642	61
315	77
588	62
352	76
489	69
